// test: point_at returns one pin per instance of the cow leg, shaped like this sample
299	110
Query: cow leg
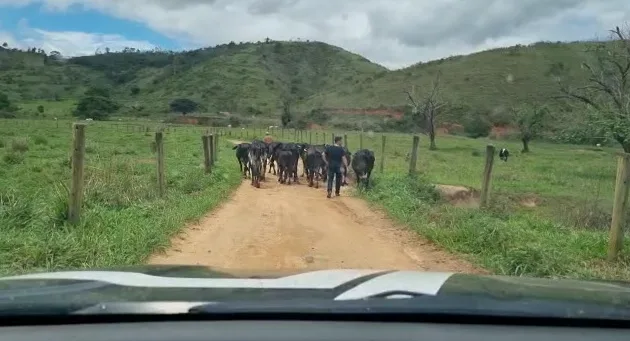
280	174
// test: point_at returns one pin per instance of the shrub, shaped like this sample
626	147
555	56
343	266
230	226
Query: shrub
19	145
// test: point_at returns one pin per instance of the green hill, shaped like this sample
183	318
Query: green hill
253	78
249	77
488	79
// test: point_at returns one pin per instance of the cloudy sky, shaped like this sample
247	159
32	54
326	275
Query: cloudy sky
394	33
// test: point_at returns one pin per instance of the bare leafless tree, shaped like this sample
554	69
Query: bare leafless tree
425	109
607	92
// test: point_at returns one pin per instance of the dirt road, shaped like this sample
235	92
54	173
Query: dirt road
294	227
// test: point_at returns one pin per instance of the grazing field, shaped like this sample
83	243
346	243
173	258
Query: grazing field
123	220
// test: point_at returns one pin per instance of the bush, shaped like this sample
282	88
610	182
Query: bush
19	145
13	158
477	126
40	140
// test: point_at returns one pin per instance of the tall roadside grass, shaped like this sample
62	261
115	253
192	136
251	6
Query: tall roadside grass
123	220
521	242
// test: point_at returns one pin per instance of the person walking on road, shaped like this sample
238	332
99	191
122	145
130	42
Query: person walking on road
334	157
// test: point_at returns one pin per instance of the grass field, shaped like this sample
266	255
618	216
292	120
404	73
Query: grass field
124	220
564	234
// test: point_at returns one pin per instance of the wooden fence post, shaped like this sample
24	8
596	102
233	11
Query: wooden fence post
487	177
215	148
414	155
345	140
207	163
361	140
159	144
76	186
615	241
211	148
383	153
310	137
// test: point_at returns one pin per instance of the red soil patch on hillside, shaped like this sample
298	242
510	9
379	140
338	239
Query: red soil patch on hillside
502	132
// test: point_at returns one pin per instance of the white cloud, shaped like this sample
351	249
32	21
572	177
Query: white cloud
68	43
393	33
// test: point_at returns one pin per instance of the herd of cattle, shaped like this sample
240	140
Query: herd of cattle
254	157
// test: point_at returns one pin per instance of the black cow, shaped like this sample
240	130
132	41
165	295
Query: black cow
344	170
242	157
362	165
503	154
265	151
294	148
255	154
302	147
315	165
320	148
271	155
286	163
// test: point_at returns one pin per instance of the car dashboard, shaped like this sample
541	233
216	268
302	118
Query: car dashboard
264	330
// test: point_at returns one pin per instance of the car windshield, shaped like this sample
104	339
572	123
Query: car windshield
248	151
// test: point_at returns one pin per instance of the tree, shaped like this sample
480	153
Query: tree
287	116
530	122
183	106
5	104
40	109
476	126
5	45
607	92
424	111
319	116
96	104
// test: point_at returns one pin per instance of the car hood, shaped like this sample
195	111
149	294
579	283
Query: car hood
197	283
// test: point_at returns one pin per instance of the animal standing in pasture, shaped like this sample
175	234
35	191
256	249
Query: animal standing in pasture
503	154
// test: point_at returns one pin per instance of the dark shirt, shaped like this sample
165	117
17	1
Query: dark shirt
334	155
